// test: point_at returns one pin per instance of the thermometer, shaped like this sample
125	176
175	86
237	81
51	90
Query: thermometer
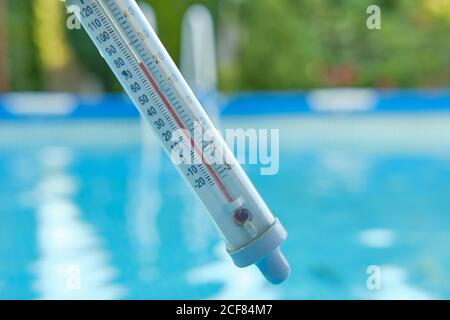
151	79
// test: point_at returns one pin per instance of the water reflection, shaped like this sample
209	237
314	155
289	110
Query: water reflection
377	238
105	220
395	285
72	261
197	227
244	283
145	203
341	171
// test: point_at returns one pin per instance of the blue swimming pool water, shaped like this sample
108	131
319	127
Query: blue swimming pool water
101	220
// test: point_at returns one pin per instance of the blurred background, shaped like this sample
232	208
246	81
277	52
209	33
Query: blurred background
327	42
89	208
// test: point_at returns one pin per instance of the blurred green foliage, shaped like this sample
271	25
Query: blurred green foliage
316	43
24	66
91	60
280	44
170	15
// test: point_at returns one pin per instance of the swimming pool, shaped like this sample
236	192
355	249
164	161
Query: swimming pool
87	211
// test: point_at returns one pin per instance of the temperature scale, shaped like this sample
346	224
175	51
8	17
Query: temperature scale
151	79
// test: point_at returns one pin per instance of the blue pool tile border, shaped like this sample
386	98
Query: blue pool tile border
117	106
108	106
301	102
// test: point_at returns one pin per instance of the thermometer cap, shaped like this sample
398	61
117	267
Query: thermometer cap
266	254
274	267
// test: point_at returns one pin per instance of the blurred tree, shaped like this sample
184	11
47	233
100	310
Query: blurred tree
54	52
170	14
3	49
439	8
311	43
24	65
269	44
90	60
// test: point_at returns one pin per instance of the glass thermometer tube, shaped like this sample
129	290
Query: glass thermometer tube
151	79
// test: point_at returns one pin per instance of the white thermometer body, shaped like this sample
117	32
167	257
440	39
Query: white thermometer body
143	67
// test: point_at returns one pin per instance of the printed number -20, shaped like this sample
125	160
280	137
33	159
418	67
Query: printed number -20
200	182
